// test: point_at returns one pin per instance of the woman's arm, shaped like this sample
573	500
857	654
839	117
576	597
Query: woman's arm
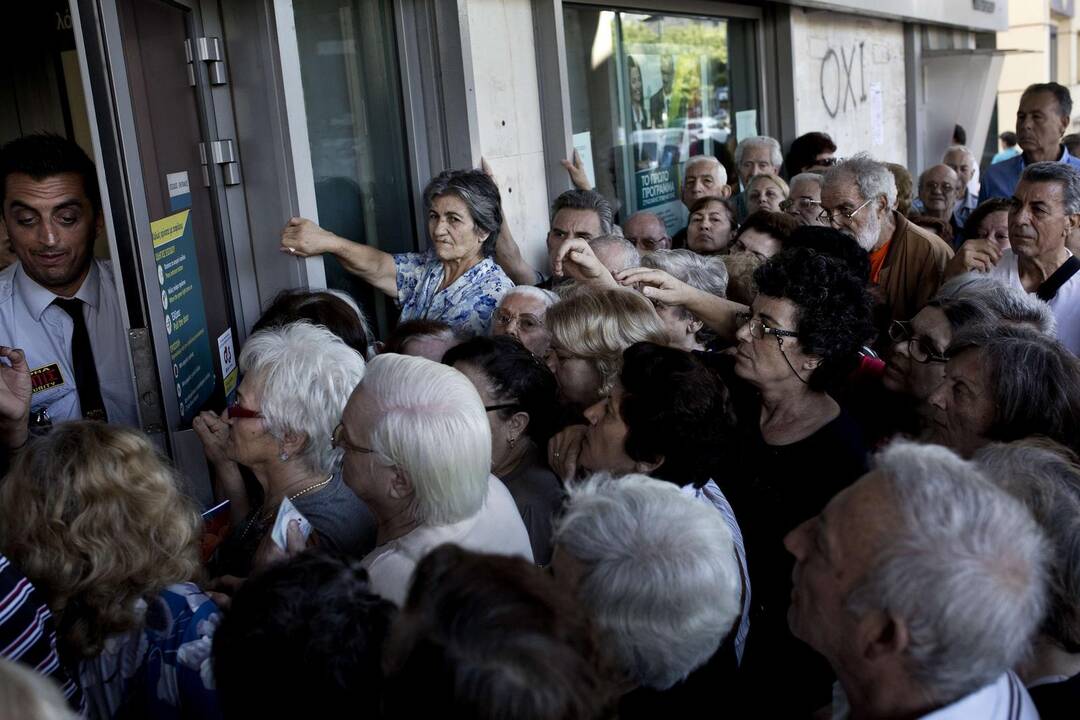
303	238
716	312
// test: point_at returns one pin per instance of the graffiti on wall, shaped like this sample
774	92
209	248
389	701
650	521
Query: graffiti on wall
839	90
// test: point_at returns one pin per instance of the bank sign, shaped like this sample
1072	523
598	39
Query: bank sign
657	190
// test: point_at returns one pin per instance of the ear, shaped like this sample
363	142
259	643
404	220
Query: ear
883	204
516	425
1072	222
811	363
293	442
725	191
693	325
646	468
400	486
881	636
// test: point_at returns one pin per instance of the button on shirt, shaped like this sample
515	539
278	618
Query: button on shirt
1065	304
30	321
1001	178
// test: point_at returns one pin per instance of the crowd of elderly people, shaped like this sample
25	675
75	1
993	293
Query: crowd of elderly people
800	458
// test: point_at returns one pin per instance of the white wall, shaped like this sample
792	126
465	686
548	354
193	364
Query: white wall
850	82
508	115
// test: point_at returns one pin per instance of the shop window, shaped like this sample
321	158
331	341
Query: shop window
648	91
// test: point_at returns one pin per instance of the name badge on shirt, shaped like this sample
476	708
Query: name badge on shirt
45	377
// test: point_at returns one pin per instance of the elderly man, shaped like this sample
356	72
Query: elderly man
804	200
757	155
1045	210
906	262
964	164
939	187
417	451
703	177
1044	114
1004	383
615	252
521	313
922	584
580	214
647	232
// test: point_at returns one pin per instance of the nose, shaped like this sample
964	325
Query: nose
552	361
594	412
743	333
938	396
794	540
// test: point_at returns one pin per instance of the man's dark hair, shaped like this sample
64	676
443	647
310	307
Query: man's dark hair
939	227
318	308
303	639
778	225
1060	92
517	376
677	409
586	200
418	327
834	308
490	636
985	209
959	135
1009	138
43	155
804	151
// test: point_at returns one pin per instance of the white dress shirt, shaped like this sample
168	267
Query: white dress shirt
1003	699
1065	305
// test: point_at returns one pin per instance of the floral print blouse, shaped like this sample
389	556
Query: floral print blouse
466	305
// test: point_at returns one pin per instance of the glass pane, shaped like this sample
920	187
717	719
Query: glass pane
352	97
649	91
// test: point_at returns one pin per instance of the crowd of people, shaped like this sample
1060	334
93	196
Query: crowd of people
813	455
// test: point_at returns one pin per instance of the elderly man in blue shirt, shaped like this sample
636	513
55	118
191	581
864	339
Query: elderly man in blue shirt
1041	120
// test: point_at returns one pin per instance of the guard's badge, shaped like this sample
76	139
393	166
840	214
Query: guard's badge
45	377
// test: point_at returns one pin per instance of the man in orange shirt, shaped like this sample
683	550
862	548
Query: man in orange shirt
906	262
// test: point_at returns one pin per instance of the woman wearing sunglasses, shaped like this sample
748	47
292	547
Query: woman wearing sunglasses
296	381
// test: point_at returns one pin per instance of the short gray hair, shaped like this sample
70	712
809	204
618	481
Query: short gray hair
586	200
305	375
1001	301
704	272
545	296
660	576
776	155
965	570
959	148
1045	477
1063	173
871	177
816	178
721	171
627	255
480	195
432	425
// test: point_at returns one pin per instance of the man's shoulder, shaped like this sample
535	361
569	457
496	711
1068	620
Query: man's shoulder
7	281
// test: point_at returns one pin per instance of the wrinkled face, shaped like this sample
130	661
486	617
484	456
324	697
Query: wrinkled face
930	331
962	164
680	325
604	446
963	405
939	188
769	360
567	223
764	195
635	84
249	443
805	203
51	225
647	232
709	230
833	551
453	234
841	198
523	317
756	160
1038	224
702	180
759	243
1039	123
579	380
370	480
995	227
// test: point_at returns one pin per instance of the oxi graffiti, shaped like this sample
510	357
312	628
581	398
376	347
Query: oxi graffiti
842	69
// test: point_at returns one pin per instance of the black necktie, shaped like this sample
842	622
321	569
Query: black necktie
82	362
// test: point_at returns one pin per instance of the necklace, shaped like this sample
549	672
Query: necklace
260	518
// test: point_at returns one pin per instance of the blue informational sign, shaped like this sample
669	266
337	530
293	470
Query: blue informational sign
182	301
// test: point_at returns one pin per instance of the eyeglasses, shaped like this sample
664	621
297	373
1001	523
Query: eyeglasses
827	162
525	321
338	441
934	187
803	203
759	329
919	348
834	218
237	412
501	406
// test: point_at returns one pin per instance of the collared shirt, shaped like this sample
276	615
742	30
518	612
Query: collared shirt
1001	179
1005	154
1065	304
1003	699
29	321
466	305
963	209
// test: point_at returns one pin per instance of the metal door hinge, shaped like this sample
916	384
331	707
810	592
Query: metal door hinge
206	50
223	153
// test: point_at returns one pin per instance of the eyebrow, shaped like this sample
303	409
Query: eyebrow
771	319
70	202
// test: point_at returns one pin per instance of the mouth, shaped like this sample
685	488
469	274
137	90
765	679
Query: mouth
50	258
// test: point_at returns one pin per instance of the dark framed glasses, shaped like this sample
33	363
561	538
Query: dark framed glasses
759	329
918	346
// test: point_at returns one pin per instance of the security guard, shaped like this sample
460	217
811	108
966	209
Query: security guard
59	304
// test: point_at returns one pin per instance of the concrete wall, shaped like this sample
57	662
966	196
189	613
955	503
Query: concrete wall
850	82
508	114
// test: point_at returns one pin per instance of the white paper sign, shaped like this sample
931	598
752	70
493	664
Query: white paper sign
877	115
745	124
583	145
178	184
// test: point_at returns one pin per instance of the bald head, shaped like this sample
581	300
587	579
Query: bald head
647	231
939	187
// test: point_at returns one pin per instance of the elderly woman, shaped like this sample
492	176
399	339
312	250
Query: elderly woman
417	446
990	221
518	392
766	192
708	231
456	281
764	233
98	523
522	314
1046	478
631	551
297	379
709	274
589	331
